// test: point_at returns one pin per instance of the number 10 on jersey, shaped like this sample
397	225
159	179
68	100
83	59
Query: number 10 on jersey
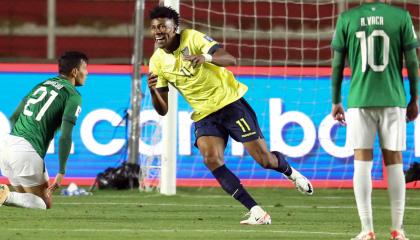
367	48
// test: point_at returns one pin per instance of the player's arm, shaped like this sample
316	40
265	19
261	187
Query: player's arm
208	50
17	112
222	58
217	55
339	45
412	66
159	95
338	64
71	112
64	147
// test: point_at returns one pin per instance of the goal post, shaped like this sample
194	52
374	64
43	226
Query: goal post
169	134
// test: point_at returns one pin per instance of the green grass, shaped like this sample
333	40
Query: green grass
206	213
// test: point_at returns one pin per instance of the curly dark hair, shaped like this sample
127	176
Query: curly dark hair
165	12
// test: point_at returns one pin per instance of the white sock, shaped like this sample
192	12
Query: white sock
257	211
25	200
396	191
362	185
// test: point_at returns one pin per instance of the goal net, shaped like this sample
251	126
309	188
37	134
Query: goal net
284	54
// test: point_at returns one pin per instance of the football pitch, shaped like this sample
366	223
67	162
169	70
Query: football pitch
206	213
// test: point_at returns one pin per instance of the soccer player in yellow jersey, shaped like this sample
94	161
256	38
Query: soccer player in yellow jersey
194	64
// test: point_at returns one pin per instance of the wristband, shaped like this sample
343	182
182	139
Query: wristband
207	57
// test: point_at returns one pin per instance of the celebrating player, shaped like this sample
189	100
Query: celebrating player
194	64
51	105
374	37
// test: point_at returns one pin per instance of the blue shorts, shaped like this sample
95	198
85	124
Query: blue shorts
237	120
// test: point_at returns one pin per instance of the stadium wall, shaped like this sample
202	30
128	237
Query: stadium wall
292	105
104	29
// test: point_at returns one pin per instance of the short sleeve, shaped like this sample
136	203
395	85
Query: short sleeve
203	43
154	68
72	109
339	38
410	39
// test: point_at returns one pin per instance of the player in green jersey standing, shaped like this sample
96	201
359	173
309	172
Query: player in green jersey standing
194	64
374	37
51	105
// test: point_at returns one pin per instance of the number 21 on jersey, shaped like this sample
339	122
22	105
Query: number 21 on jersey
367	48
38	96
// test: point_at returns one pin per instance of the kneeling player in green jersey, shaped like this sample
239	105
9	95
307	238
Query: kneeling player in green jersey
194	64
374	37
51	105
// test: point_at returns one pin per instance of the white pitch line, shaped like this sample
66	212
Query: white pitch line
198	195
263	230
228	197
176	230
221	205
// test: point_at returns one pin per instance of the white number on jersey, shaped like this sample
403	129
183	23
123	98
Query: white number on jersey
367	48
43	91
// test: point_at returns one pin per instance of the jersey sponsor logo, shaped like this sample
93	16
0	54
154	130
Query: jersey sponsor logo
414	32
208	38
78	111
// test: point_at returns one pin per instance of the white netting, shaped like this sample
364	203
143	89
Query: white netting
289	42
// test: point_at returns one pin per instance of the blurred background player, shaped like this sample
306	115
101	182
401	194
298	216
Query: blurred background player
374	37
194	64
51	105
413	173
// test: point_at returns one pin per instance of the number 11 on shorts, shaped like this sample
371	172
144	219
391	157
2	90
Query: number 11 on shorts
243	125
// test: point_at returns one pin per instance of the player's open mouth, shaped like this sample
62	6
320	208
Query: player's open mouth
160	39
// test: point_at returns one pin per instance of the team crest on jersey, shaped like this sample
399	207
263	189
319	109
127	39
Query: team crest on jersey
185	51
208	38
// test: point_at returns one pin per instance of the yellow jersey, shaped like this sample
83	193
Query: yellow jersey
207	87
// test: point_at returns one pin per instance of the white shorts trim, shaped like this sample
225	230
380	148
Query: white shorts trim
20	163
388	122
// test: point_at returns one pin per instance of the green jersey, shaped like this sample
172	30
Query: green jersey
46	106
374	37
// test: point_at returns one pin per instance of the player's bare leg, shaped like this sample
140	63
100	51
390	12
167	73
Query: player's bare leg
212	149
275	160
396	191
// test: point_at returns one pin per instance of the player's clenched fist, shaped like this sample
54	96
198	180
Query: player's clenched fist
412	110
152	80
337	113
